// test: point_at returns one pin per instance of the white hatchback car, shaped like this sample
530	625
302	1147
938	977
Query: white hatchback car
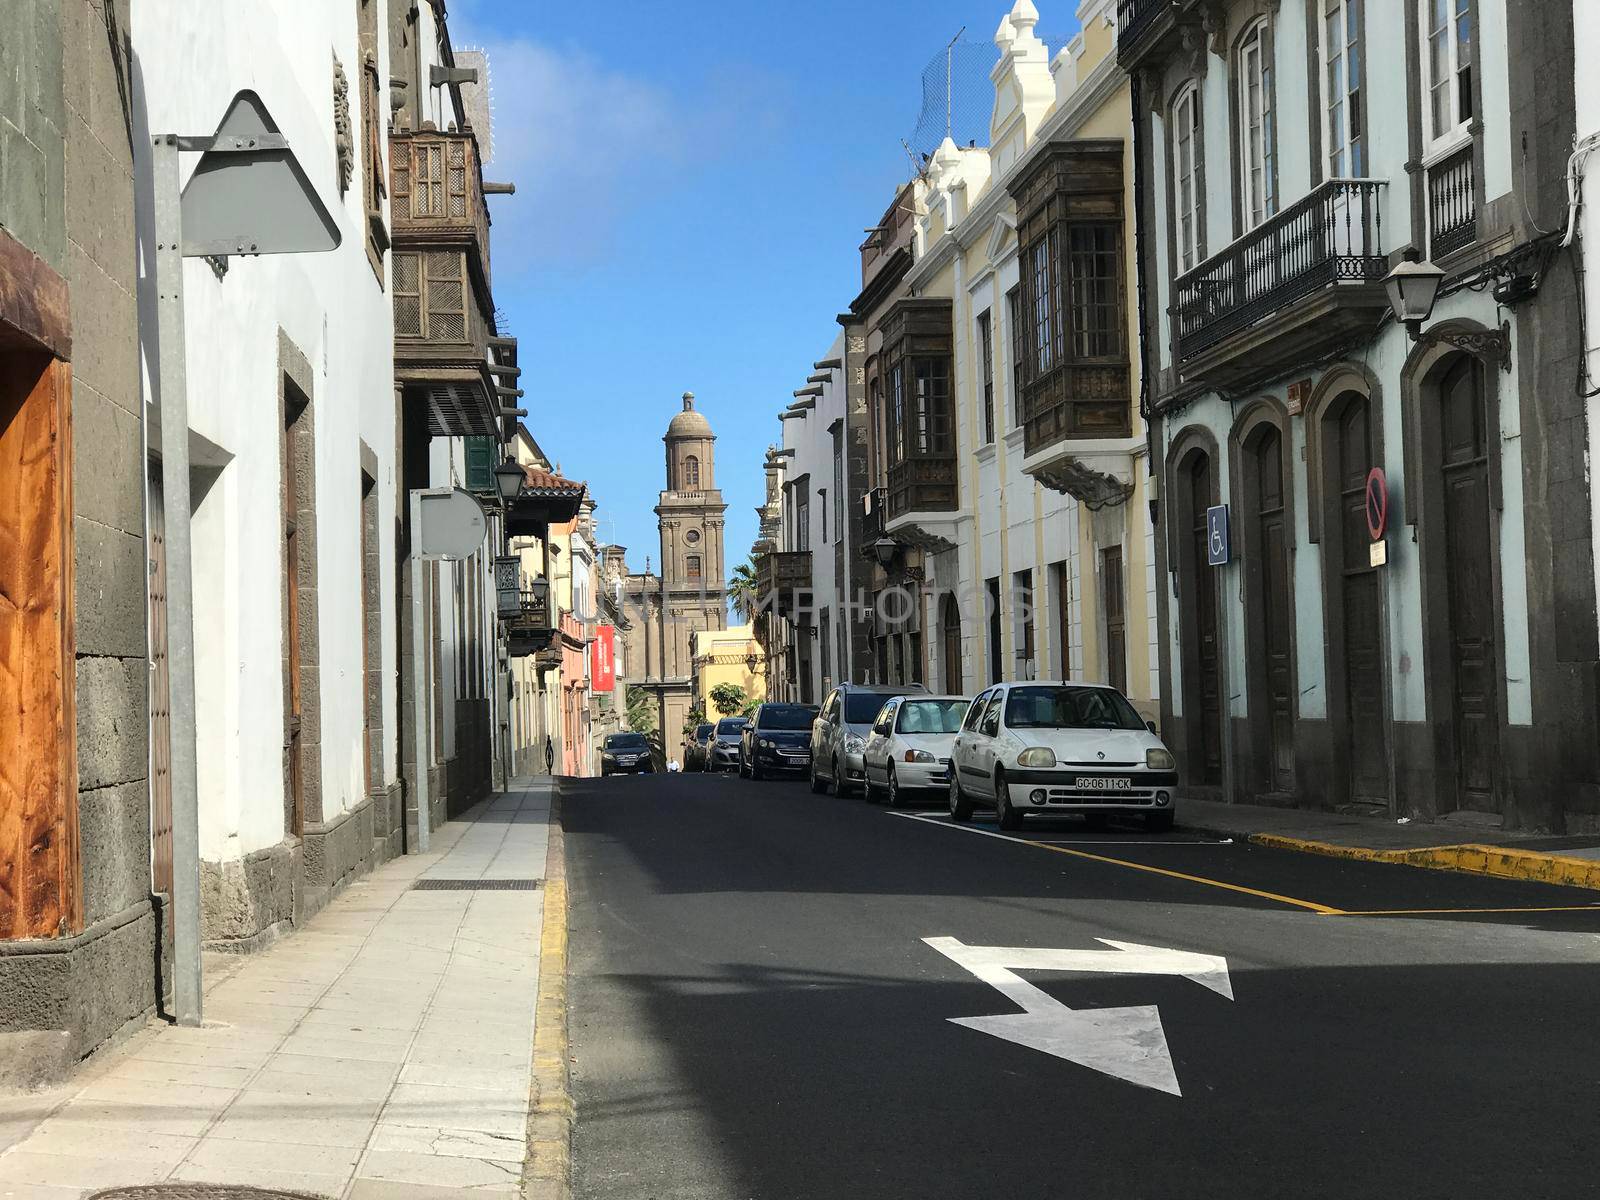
909	747
1061	747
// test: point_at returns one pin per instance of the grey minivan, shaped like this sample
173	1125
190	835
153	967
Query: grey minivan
839	734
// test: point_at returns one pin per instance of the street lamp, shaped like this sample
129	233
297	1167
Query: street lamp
509	479
884	550
1413	287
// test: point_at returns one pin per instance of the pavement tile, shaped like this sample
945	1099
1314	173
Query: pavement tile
281	1177
451	1143
220	1055
186	1074
360	1070
481	1174
40	1191
236	1158
178	1120
78	1170
139	1093
118	1141
382	1189
371	1027
511	1082
468	1054
369	1049
452	1108
253	1123
338	1088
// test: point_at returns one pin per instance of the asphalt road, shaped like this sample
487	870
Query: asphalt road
757	1016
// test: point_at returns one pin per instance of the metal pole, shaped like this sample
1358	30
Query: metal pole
186	981
420	663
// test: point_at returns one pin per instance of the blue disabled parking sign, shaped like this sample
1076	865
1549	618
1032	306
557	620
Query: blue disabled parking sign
1217	548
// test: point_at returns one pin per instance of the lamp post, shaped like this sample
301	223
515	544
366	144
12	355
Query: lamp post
884	550
1413	289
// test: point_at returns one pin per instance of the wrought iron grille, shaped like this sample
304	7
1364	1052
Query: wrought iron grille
1334	236
1134	17
1452	203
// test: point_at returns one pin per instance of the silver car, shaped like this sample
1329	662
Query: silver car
839	734
908	750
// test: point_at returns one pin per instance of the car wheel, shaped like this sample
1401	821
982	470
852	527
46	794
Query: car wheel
817	785
960	806
1006	814
869	793
837	784
896	800
1159	822
755	771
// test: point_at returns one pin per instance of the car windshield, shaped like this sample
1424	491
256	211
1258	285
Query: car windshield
785	716
701	732
932	716
1069	708
730	726
862	708
626	741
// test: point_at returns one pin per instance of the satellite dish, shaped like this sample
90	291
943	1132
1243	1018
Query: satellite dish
249	195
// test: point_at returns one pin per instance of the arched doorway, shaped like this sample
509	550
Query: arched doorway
1271	644
1357	703
1202	648
1469	583
950	640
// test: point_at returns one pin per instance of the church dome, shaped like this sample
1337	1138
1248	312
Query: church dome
689	423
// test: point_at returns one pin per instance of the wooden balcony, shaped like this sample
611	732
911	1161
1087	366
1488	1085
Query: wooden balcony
530	629
437	190
783	581
922	485
1295	287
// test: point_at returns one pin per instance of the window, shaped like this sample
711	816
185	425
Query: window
1257	136
1447	67
897	414
1018	350
1062	586
1044	289
430	296
825	644
1096	307
691	472
975	713
990	725
802	514
986	364
692	566
1188	177
992	597
1343	119
822	495
931	432
1111	604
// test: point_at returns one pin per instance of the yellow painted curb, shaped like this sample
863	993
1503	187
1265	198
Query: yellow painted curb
1500	861
547	1170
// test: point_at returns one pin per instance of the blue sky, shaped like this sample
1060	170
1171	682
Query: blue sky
692	181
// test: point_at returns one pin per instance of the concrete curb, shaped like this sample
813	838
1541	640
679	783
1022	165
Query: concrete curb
1499	861
547	1167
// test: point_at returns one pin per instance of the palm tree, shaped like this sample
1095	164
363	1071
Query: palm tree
742	592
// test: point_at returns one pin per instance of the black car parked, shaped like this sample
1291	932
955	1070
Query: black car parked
697	748
625	754
778	738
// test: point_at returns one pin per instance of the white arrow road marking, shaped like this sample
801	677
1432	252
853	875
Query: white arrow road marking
1125	1043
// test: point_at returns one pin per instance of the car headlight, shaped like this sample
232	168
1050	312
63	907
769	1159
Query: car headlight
607	756
764	743
853	744
1158	758
919	756
1037	756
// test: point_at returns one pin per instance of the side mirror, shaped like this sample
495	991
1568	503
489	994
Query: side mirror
1150	725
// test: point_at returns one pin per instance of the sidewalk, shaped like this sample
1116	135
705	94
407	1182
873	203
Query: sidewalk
1572	861
383	1051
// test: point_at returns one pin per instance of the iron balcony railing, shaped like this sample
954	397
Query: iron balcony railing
1134	17
1334	236
1452	203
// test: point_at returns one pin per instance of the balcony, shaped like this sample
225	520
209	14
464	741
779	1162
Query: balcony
530	629
783	581
1452	203
1295	287
921	485
1145	27
437	192
443	306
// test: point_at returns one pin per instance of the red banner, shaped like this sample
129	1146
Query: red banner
602	661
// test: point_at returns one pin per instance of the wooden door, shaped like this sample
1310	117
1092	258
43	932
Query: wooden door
1116	617
1276	644
40	881
951	632
1469	576
1063	598
1205	737
160	698
1367	748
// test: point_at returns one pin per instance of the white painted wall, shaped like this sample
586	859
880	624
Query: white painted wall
1586	32
190	57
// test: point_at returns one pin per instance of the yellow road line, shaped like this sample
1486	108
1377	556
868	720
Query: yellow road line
1432	912
1502	862
1310	905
